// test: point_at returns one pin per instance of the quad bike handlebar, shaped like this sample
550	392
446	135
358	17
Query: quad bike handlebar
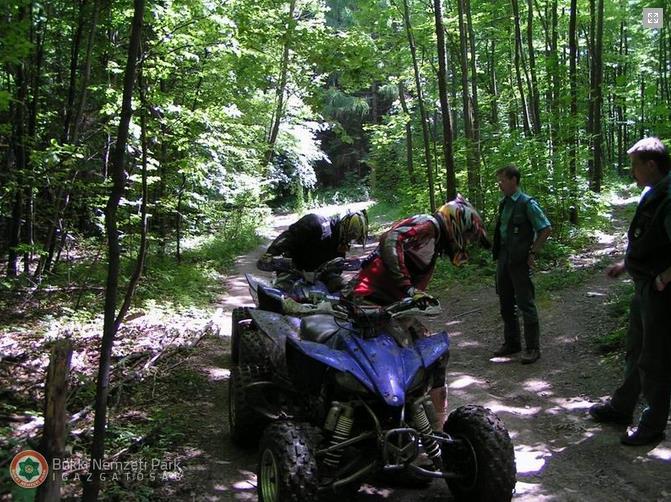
368	314
336	265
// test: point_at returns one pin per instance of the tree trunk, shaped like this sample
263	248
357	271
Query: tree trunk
408	132
573	135
281	89
597	173
534	99
448	156
475	124
74	64
55	418
518	55
86	73
493	85
118	175
178	226
19	147
142	252
556	86
641	124
420	102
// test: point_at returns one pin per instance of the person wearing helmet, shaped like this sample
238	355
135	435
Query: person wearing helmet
406	255
404	261
314	240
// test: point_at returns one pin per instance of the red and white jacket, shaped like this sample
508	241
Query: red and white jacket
406	256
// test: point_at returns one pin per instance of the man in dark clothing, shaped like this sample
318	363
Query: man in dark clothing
648	261
314	240
521	231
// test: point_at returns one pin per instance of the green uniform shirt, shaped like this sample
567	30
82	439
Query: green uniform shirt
534	213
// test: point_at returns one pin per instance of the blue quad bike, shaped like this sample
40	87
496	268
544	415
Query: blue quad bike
342	393
299	286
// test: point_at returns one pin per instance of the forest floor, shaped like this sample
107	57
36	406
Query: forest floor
561	454
178	413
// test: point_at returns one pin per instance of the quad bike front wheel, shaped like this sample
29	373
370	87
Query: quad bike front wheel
287	467
484	456
245	423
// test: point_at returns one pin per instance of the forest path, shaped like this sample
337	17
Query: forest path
561	454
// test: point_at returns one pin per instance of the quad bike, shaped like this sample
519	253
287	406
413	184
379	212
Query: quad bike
305	287
343	393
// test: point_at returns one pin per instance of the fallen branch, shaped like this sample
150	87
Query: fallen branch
463	314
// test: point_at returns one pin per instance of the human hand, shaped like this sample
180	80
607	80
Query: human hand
265	263
615	270
660	285
421	298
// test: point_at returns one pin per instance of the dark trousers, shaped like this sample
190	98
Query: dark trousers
648	359
516	292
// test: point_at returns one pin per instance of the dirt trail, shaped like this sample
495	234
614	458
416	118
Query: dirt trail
560	453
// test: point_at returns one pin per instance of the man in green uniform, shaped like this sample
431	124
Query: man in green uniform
521	231
648	261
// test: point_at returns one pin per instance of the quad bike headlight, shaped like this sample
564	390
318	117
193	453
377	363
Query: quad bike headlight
349	382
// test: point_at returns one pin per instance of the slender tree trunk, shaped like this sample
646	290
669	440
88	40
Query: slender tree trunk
142	252
408	132
420	102
475	124
178	226
450	179
573	139
86	73
109	324
555	79
534	98
597	174
513	115
374	107
19	148
619	103
641	124
281	89
74	64
493	85
518	55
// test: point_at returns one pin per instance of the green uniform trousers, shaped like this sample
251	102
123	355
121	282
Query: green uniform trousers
516	292
648	358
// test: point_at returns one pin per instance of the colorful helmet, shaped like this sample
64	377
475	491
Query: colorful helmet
463	225
354	227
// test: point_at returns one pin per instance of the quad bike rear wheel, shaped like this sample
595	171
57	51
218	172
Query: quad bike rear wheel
254	348
287	468
245	423
485	458
238	314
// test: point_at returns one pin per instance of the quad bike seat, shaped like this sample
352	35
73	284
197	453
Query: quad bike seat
318	328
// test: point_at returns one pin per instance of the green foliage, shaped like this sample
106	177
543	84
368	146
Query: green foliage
197	279
479	269
618	307
351	190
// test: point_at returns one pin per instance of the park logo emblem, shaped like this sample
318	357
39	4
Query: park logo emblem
29	469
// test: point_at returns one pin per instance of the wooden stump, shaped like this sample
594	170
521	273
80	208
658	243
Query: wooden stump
54	433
